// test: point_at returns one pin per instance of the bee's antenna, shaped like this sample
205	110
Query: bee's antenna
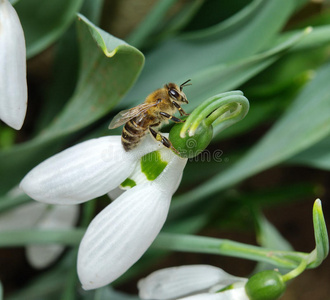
185	84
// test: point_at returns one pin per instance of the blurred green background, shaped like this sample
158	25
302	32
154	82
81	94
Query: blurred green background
270	167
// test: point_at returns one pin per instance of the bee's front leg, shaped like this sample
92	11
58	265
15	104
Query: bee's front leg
170	117
179	108
160	138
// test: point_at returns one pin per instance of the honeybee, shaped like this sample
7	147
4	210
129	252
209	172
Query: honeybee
157	109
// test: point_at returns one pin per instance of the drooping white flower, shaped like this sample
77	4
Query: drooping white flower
120	234
34	215
124	230
13	87
196	282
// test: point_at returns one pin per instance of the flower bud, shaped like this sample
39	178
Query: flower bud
265	285
191	146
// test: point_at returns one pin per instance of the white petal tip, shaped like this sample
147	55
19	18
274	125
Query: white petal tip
13	86
15	124
88	287
120	234
80	173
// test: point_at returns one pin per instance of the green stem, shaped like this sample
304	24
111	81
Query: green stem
10	202
88	213
1	291
189	243
69	291
295	272
15	238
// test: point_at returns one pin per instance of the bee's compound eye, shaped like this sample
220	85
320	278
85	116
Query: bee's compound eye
174	93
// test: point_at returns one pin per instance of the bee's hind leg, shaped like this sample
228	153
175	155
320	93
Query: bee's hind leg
160	138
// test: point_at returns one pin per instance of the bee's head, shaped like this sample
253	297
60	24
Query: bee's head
175	92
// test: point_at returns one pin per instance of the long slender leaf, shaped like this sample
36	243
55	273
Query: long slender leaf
191	243
224	77
238	37
321	235
66	58
103	81
269	236
16	238
147	26
49	284
317	156
179	21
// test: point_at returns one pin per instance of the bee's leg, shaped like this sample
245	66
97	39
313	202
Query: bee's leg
179	108
160	138
174	119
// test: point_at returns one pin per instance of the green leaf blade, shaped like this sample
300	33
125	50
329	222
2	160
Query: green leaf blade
50	19
233	40
105	77
321	234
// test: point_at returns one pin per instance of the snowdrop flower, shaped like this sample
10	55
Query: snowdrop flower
123	231
196	282
40	216
13	88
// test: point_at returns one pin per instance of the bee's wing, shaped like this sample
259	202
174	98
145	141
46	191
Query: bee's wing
125	115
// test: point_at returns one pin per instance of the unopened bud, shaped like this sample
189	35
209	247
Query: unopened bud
265	285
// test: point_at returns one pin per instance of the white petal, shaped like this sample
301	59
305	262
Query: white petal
175	164
56	217
13	88
153	164
203	296
124	230
83	172
120	234
170	178
24	216
176	282
234	294
176	186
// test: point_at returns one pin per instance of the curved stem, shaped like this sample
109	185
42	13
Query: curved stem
295	272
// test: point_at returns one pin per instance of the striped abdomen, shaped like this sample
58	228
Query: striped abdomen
132	135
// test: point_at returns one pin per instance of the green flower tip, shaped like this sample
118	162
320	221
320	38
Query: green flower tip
265	285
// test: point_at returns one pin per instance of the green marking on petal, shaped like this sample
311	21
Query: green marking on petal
152	165
226	288
128	183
